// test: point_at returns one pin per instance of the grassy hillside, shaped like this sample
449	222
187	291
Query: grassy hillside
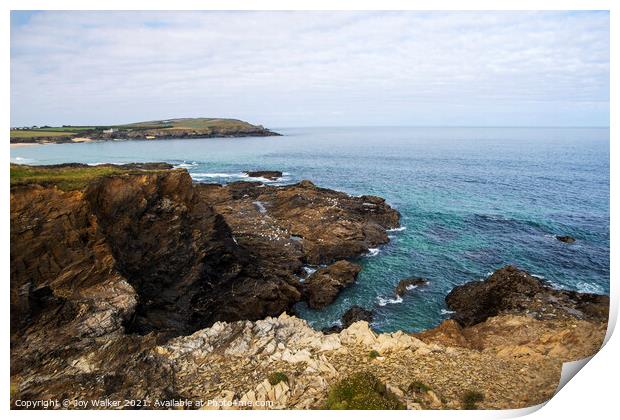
177	127
25	134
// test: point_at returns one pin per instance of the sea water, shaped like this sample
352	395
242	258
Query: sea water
472	200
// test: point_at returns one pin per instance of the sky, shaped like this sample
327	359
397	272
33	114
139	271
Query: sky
287	69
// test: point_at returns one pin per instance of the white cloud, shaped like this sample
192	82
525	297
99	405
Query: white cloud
301	68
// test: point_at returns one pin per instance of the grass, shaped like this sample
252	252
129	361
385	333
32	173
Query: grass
66	178
277	377
69	128
471	399
361	391
29	134
190	124
373	354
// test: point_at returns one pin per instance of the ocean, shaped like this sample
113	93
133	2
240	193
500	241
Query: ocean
472	200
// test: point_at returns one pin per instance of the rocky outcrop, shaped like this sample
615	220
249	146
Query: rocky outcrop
143	250
180	133
566	239
510	290
144	287
192	254
271	175
513	360
408	284
322	287
301	223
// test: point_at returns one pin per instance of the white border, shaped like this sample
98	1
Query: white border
591	394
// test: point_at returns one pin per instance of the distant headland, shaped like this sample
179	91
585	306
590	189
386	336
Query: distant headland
147	130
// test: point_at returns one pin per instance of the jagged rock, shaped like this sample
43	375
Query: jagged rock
409	283
510	290
358	333
151	253
322	287
271	175
448	333
302	222
566	239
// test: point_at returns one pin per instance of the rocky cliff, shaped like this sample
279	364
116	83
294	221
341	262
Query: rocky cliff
133	284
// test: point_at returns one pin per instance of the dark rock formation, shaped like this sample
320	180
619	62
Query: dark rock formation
566	239
351	316
405	284
510	290
271	175
354	314
322	287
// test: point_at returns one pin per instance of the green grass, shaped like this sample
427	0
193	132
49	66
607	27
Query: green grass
66	178
29	134
471	399
191	124
361	391
373	354
71	128
277	377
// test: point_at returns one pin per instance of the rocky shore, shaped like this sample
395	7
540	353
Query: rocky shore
130	283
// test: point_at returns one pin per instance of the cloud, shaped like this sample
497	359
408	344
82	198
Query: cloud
312	68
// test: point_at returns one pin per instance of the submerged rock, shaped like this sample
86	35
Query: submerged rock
566	239
409	283
354	314
270	175
322	287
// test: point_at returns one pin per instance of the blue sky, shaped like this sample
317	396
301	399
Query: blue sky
284	69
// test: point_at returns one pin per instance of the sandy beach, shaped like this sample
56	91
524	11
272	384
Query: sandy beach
18	145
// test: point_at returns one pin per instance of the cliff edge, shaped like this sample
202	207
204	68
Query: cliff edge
130	283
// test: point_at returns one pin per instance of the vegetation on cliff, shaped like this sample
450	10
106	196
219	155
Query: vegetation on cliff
361	391
73	176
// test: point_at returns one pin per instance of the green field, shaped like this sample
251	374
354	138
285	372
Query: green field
72	128
29	134
190	123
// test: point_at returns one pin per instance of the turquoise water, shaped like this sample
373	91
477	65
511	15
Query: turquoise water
471	199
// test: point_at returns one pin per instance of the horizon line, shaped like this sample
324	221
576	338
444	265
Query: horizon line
345	125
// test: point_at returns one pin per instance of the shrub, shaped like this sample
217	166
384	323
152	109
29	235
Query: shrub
417	386
277	377
373	354
471	399
361	391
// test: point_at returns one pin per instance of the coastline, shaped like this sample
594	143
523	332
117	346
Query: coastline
250	238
